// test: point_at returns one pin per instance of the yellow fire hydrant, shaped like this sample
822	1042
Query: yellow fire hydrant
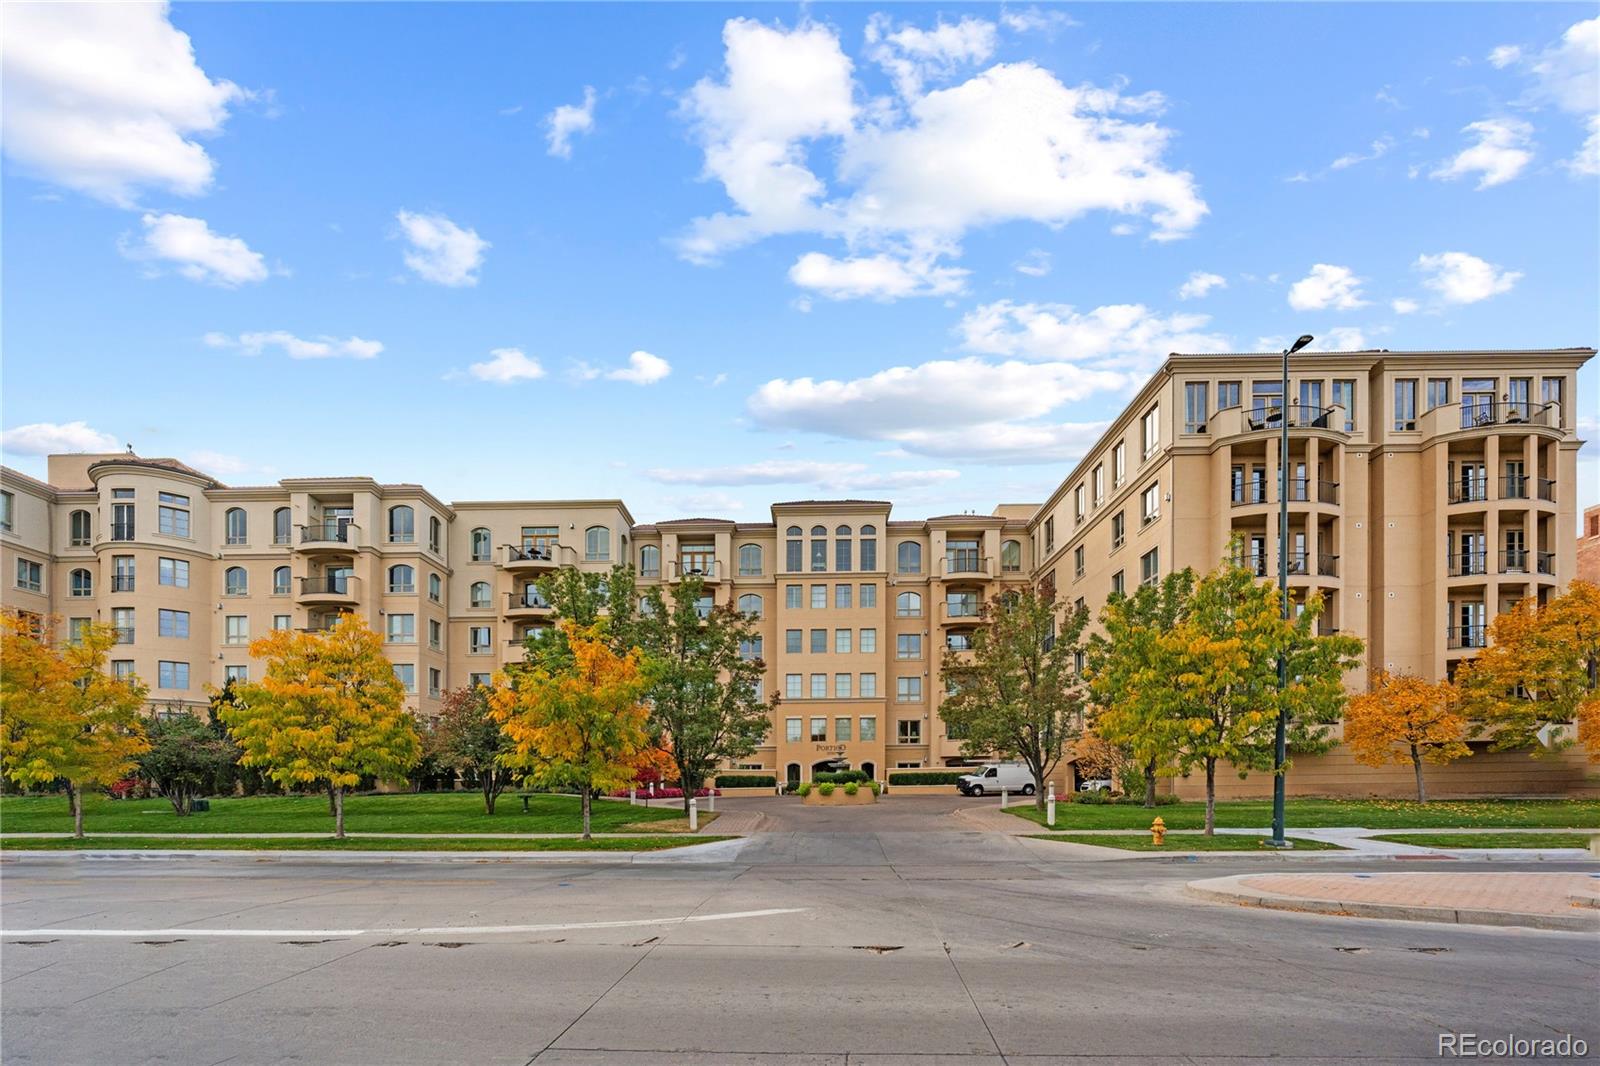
1158	832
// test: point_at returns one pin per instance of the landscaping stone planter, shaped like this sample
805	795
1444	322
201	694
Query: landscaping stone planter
840	798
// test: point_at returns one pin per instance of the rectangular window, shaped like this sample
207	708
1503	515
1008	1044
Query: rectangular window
121	669
841	690
908	689
75	629
1150	430
908	646
869	595
478	640
819	554
1150	503
1080	503
1405	404
1550	391
1099	481
236	674
819	642
1077	561
236	629
8	506
869	552
30	575
793	555
122	573
121	520
819	597
1194	406
869	690
841	641
435	633
793	597
819	729
435	680
841	554
841	726
1344	395
1119	529
909	731
173	521
792	688
841	597
1119	464
122	621
819	686
750	649
793	641
1049	535
1438	392
477	680
869	642
1150	567
174	572
172	623
791	730
1228	393
1118	583
407	673
172	675
282	621
402	629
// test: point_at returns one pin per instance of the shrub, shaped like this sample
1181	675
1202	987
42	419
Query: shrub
826	788
839	777
851	788
925	777
804	789
877	789
746	781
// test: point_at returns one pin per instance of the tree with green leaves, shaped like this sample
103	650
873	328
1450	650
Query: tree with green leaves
186	758
63	717
1017	693
470	739
1127	710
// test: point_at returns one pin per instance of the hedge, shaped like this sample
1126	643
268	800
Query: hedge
926	777
839	777
746	781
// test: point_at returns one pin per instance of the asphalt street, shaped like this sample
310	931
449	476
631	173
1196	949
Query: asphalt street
858	935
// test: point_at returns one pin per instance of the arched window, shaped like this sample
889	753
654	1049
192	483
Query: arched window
480	545
280	581
435	588
649	561
402	525
82	583
402	578
908	605
869	547
749	560
280	526
909	559
435	530
236	582
646	608
1011	556
750	605
479	594
238	526
819	548
597	544
794	551
82	529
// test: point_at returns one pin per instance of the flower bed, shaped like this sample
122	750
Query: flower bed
665	793
830	794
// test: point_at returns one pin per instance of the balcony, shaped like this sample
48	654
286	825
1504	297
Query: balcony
964	564
1483	414
1301	416
1248	493
527	604
703	567
535	558
1514	487
1468	490
1458	638
329	588
329	537
1327	565
1547	489
960	612
1468	564
1523	561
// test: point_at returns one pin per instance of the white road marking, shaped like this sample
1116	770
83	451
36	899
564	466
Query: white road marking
421	930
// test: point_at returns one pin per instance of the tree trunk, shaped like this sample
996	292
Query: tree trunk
1150	783
1211	797
333	803
75	798
586	802
177	798
1416	764
338	812
487	780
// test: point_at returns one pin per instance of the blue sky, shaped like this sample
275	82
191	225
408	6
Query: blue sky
706	256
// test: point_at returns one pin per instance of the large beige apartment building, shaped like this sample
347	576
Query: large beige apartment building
1427	492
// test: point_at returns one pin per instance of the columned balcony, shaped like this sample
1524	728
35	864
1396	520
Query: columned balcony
536	558
329	537
527	604
329	589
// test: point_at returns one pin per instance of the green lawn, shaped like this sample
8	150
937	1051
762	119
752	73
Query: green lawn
1491	840
1321	813
1182	842
452	812
655	843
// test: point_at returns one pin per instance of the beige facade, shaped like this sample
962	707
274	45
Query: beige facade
1427	492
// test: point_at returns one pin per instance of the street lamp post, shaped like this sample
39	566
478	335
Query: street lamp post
1280	750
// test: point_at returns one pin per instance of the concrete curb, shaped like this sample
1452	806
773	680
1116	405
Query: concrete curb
717	851
1218	890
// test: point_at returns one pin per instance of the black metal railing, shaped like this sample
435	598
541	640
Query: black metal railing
329	585
526	600
1547	489
328	533
1303	415
1249	492
1478	413
1466	564
121	582
1298	561
965	562
1527	561
531	553
1468	490
1466	637
124	634
1514	487
1327	565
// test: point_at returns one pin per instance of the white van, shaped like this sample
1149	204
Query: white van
992	777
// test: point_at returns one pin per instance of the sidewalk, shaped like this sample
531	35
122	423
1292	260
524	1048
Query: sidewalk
1532	900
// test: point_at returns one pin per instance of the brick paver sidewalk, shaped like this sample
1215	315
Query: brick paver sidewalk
1517	893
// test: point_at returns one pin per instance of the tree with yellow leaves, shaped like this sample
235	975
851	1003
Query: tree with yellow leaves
328	712
1403	718
1540	675
577	719
62	717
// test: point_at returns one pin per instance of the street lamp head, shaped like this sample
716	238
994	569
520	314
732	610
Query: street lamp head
1301	343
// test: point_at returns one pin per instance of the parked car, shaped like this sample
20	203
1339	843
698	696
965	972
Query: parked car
1095	784
995	776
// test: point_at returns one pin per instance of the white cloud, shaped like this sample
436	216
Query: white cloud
1125	336
45	438
836	476
642	369
195	252
1199	284
323	347
1567	73
1378	150
912	56
441	251
880	277
1504	56
1036	264
1586	163
219	463
1326	286
1460	278
1404	305
912	176
567	121
1500	153
108	99
1032	19
704	503
1341	339
507	366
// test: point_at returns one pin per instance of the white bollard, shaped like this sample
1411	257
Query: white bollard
633	795
1050	806
711	799
1005	796
694	815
